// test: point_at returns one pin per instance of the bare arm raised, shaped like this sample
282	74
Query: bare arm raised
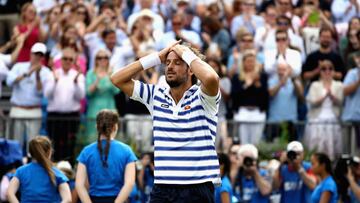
123	78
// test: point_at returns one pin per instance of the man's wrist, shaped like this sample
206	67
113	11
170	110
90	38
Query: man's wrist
150	60
189	56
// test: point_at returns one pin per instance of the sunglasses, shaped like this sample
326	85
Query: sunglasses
81	12
282	23
102	58
281	39
248	4
326	69
67	59
38	54
247	40
176	23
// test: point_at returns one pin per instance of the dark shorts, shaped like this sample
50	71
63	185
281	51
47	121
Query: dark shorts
102	199
199	193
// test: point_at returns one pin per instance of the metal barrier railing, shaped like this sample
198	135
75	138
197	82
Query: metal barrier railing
137	131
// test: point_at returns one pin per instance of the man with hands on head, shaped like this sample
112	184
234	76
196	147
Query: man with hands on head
251	186
294	177
184	122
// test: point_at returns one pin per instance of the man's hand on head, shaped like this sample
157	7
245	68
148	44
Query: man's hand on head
164	52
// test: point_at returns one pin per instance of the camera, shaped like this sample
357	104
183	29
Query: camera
291	155
248	161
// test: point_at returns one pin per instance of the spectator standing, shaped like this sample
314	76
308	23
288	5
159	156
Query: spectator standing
100	92
247	19
325	99
351	111
294	177
250	96
64	91
285	91
264	34
30	25
252	184
176	178
28	80
39	181
326	190
311	68
107	165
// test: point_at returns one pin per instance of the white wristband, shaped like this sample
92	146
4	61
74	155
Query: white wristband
188	57
150	60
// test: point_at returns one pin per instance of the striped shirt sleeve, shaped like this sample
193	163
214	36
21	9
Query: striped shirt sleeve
210	103
143	93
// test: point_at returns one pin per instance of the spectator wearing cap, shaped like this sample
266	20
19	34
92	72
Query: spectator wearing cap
247	19
27	80
285	91
294	177
178	32
64	91
252	183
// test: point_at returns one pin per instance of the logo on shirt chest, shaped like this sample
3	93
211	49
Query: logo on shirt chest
165	106
188	107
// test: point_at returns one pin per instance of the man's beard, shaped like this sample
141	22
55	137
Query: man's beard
325	45
176	83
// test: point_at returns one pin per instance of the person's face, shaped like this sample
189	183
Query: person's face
283	5
35	58
356	170
233	154
270	16
146	3
177	24
55	13
247	42
282	69
102	59
214	66
283	25
30	13
248	6
325	39
242	156
316	167
110	40
71	33
353	39
326	72
67	60
176	71
249	63
81	13
281	40
354	24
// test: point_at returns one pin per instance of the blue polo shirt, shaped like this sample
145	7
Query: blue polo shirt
250	192
351	111
35	183
327	185
293	188
106	181
225	187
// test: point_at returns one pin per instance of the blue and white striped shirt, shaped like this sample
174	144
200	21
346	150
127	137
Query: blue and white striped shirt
184	134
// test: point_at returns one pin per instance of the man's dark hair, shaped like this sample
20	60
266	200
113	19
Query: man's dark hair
106	32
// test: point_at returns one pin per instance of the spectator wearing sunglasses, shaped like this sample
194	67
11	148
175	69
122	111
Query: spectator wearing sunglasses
64	91
323	132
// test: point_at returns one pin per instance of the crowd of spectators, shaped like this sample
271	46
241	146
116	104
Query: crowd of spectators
280	61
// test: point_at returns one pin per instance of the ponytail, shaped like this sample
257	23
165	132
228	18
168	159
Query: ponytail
106	120
40	149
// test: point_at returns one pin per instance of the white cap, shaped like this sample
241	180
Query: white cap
249	148
64	164
295	146
38	47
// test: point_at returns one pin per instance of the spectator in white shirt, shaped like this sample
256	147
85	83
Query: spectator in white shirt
343	10
64	91
27	80
283	53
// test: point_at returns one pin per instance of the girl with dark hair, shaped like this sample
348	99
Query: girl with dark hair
326	190
39	181
223	194
107	165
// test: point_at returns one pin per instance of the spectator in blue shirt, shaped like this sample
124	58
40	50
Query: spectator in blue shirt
146	175
326	190
351	111
294	177
223	194
39	181
251	185
108	165
353	176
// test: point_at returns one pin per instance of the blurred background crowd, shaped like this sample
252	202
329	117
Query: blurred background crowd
289	69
